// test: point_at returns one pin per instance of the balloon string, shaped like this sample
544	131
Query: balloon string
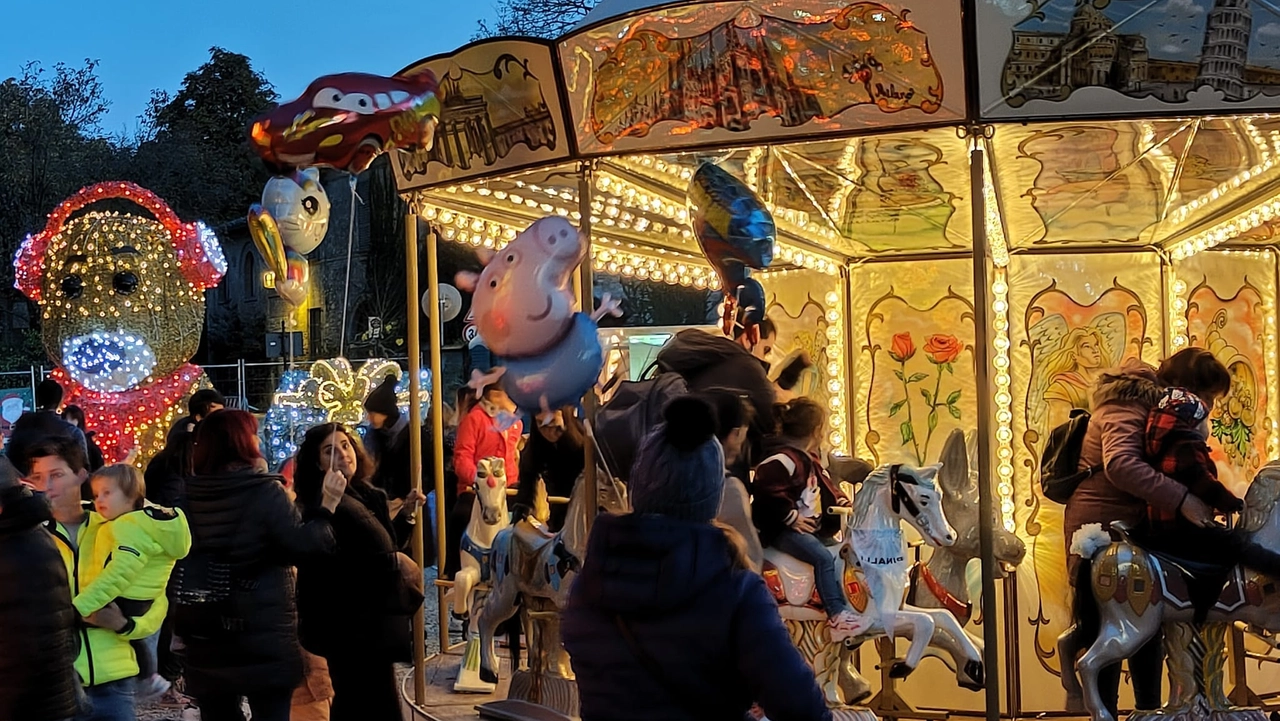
346	288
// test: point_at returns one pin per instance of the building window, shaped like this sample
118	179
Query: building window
248	277
315	330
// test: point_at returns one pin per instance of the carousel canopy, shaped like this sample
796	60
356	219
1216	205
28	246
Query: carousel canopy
856	122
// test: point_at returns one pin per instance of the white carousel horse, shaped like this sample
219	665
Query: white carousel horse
1139	593
940	582
527	570
488	517
874	578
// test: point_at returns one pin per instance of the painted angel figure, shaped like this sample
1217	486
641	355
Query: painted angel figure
1065	362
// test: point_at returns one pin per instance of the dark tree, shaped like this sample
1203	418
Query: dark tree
537	18
51	145
194	150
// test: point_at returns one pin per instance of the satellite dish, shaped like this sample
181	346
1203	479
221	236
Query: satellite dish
450	302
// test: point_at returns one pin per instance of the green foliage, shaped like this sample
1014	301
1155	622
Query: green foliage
194	150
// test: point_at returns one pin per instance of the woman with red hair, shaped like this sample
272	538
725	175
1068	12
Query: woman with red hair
234	607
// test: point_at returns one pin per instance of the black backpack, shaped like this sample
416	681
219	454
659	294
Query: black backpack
634	410
1060	472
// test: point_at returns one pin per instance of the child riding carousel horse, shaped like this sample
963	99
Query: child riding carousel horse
789	487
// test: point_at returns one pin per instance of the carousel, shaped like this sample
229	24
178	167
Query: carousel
978	207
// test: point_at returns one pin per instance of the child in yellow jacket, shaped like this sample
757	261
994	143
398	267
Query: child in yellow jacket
144	543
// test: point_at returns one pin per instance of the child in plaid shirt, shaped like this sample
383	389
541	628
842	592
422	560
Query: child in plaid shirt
1176	444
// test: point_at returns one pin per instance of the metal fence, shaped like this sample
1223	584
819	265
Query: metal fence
248	385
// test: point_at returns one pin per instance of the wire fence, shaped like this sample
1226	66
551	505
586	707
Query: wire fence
250	385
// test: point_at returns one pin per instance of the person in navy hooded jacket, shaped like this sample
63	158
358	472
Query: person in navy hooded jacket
666	619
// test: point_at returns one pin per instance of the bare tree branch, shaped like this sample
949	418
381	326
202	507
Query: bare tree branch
537	18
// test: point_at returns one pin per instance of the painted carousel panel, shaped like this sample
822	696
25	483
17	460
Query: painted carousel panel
719	73
1071	317
914	368
1225	302
1061	58
500	109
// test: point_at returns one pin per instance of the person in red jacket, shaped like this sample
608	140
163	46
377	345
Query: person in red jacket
491	429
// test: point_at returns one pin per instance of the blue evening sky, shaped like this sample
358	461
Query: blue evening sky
145	44
1174	29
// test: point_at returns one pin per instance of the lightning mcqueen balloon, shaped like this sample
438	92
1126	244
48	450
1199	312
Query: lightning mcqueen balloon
344	121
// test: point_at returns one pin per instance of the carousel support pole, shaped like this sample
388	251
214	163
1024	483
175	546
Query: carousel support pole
586	295
982	359
415	436
436	338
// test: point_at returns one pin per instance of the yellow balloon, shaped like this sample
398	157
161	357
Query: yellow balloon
266	236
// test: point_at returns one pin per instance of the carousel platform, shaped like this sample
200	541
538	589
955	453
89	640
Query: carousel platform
441	703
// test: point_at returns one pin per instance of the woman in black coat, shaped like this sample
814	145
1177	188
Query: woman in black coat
242	519
355	607
38	647
553	454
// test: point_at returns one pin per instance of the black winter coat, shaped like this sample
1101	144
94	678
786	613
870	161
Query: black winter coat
38	647
707	360
248	519
345	601
390	449
165	481
710	623
557	464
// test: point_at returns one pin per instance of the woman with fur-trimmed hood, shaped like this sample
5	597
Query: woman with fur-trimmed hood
1126	486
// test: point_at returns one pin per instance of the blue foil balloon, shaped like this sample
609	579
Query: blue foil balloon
560	376
733	227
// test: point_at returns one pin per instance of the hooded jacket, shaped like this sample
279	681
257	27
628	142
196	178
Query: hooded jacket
247	518
780	482
104	655
480	438
706	360
37	625
136	553
711	624
1116	440
1176	445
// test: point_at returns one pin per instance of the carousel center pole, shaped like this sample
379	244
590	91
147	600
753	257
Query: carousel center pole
586	295
982	360
415	436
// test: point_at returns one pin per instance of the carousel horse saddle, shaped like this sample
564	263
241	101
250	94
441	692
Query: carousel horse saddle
790	580
531	538
1204	586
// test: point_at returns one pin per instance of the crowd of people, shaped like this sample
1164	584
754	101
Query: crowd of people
289	594
292	593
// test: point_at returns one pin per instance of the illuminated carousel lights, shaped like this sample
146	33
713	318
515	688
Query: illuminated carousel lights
1183	213
1177	312
1240	224
1004	396
835	373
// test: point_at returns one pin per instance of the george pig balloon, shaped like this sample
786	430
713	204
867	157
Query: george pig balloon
523	300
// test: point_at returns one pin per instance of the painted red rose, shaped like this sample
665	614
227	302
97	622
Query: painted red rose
903	348
943	349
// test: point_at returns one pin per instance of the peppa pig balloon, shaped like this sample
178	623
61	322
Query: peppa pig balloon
523	299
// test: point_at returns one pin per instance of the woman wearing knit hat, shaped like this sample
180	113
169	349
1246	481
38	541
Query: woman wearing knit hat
666	620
